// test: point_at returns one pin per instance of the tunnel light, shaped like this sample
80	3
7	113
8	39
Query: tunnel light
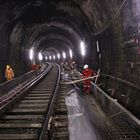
31	54
58	56
97	44
82	48
71	54
40	56
64	55
46	58
50	57
100	56
54	57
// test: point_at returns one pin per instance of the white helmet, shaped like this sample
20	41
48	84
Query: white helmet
85	66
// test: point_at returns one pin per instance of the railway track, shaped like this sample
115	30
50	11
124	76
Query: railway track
59	120
28	117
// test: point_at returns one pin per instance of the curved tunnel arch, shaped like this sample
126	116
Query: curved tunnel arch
54	34
34	29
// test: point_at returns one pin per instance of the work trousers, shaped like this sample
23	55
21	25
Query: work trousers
87	87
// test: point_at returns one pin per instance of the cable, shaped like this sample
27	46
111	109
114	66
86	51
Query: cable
113	18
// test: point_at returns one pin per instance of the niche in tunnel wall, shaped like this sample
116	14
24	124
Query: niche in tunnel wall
4	44
16	53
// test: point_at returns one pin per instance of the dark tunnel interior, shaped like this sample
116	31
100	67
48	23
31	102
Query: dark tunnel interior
109	30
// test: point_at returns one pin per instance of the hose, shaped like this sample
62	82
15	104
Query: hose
113	18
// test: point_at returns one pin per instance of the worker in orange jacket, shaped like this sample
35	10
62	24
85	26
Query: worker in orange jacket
87	72
9	73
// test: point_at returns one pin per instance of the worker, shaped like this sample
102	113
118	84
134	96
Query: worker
62	65
9	73
34	66
87	72
72	66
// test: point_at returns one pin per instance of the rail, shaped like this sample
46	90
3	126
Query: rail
50	108
9	85
12	98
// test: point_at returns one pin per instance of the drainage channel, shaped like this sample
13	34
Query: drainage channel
26	118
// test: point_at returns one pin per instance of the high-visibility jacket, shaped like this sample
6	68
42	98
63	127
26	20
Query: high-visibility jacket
87	73
9	74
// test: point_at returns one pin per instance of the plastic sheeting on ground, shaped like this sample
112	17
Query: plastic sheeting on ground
80	127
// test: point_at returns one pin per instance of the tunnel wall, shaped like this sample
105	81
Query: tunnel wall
4	45
11	51
120	55
117	27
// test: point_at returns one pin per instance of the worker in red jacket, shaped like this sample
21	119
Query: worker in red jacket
87	72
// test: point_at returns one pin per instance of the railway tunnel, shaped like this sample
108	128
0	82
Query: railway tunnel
102	34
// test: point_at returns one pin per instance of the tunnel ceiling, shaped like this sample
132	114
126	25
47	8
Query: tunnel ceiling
44	24
58	24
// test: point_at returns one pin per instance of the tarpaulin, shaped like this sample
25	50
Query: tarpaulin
80	127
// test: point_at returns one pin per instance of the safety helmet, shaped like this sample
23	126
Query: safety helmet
85	66
7	66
